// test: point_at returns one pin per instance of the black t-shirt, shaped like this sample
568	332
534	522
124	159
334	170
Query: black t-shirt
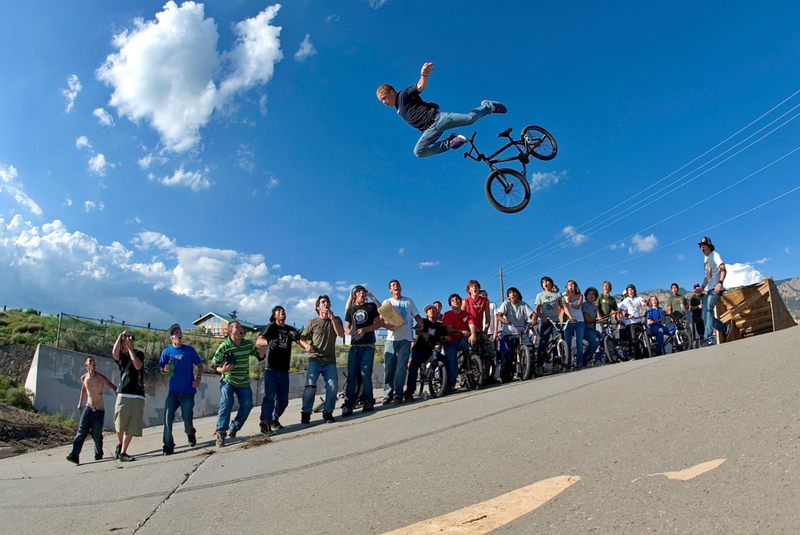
436	332
131	380
414	110
360	316
279	351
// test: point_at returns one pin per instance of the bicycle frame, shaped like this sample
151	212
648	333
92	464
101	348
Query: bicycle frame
491	160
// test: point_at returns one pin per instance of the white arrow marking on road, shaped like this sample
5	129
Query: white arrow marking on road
489	515
690	473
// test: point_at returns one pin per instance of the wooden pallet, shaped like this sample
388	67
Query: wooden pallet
754	309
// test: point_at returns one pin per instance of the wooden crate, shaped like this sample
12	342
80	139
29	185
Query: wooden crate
754	309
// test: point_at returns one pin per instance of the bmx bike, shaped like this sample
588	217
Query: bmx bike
508	190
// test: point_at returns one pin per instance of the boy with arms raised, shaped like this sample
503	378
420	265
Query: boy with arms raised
93	414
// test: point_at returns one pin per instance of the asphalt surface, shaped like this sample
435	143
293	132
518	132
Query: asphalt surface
613	427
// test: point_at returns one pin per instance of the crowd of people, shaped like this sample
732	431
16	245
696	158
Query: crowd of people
472	323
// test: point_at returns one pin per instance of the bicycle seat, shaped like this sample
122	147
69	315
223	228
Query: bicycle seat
506	132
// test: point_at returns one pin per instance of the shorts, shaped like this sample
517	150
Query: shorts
128	416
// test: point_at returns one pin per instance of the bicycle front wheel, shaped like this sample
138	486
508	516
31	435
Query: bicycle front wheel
507	190
539	143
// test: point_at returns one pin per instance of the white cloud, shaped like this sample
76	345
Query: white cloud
165	69
275	267
98	164
427	264
244	158
786	250
69	202
9	183
104	117
90	206
306	50
273	182
402	251
148	160
762	261
83	143
195	180
72	92
545	180
741	275
262	105
61	270
333	18
681	257
643	243
623	272
375	4
576	237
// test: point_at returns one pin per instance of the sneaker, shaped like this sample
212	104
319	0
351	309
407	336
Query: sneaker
456	141
368	407
496	106
125	458
387	401
266	429
346	412
192	440
73	459
726	332
220	440
275	424
397	401
708	342
305	418
232	432
408	397
117	450
166	450
328	417
98	456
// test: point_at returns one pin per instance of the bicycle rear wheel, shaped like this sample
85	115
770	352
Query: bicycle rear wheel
539	143
610	348
507	190
524	363
437	379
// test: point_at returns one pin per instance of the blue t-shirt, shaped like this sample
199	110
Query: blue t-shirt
656	314
415	111
186	358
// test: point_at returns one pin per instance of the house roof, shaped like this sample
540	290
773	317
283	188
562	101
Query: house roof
228	319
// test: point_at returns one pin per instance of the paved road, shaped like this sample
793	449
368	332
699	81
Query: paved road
612	427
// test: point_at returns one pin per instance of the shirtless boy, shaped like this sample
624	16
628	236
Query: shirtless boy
93	414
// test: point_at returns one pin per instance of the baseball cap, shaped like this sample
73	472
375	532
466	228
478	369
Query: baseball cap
357	288
275	309
174	326
429	306
705	241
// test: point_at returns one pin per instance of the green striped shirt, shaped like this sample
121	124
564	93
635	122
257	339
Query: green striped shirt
240	376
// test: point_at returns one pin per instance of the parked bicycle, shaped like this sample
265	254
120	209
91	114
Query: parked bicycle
677	336
507	189
557	358
433	372
470	369
523	349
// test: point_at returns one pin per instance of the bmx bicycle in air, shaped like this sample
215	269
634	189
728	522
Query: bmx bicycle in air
508	190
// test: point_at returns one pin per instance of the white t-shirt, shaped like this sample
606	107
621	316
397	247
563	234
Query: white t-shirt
635	308
711	265
492	317
406	308
577	313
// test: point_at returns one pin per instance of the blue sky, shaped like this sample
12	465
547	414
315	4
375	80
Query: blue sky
160	161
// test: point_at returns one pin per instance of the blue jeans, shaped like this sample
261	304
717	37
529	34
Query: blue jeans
451	359
429	143
359	360
658	330
395	367
186	403
417	358
576	328
276	395
591	335
507	365
245	396
709	320
331	377
91	421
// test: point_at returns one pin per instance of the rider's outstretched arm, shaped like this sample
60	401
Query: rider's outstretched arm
423	78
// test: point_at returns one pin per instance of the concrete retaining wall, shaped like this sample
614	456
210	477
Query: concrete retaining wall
55	375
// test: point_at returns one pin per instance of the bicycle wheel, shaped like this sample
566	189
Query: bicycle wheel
682	340
563	355
523	362
507	190
646	346
539	143
437	379
421	375
475	372
610	348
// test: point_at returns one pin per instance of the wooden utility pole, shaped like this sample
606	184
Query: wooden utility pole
502	289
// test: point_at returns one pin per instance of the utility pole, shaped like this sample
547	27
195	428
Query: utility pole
502	288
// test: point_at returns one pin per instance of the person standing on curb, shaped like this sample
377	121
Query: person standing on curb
129	408
232	360
361	321
93	414
322	331
397	351
178	361
715	276
277	337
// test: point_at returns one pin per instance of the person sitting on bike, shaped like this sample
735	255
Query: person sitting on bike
590	334
477	308
547	305
573	310
428	119
676	305
429	334
455	321
513	314
632	310
655	323
696	308
606	304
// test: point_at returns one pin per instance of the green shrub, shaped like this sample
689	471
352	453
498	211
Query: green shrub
27	328
23	339
256	369
6	383
3	321
19	397
32	311
62	417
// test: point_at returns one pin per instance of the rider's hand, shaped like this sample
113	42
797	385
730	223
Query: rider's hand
426	69
473	339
